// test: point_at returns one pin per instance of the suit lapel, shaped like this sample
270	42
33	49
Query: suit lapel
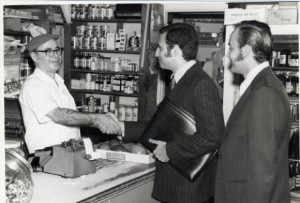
239	106
236	111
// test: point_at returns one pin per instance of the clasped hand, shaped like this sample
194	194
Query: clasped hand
108	123
160	151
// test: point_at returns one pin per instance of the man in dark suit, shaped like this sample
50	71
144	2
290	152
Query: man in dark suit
196	92
253	158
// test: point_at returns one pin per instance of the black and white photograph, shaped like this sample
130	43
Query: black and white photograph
149	101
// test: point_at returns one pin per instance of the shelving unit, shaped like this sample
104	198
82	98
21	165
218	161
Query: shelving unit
147	83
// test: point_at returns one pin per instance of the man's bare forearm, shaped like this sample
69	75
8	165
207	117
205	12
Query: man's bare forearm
71	117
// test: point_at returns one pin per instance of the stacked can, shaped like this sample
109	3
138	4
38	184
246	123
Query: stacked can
92	11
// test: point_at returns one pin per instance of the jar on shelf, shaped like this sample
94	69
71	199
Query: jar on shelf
294	59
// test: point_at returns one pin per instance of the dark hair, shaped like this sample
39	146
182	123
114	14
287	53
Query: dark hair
257	35
185	36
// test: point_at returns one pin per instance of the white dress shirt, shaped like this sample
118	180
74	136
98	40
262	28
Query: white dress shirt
39	95
251	75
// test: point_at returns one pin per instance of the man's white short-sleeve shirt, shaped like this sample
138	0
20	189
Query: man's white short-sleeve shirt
39	95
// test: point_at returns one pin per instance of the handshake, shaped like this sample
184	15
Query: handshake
108	123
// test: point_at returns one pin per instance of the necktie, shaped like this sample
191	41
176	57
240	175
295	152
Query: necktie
173	82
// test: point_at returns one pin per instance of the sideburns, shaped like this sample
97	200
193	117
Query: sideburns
168	54
239	58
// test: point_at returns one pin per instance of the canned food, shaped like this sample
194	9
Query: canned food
102	43
110	13
89	30
73	11
121	113
128	113
93	13
105	30
97	31
86	42
105	107
79	44
102	13
135	113
81	30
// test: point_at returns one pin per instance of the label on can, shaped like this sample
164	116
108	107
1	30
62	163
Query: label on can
110	13
105	108
81	30
121	113
79	42
128	113
94	41
102	13
135	113
97	31
86	42
89	31
102	43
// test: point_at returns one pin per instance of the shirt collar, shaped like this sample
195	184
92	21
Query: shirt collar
179	73
43	76
251	75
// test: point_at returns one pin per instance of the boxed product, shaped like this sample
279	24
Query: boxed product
233	16
122	156
110	41
282	16
114	150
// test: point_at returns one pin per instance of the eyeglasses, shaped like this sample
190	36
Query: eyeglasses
50	52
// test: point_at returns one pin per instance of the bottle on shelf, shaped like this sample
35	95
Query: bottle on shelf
284	57
88	61
82	61
294	145
294	59
112	104
91	104
101	83
289	85
76	61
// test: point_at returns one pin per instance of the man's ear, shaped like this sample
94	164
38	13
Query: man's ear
176	51
34	56
246	50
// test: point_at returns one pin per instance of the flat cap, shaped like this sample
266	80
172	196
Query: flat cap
39	40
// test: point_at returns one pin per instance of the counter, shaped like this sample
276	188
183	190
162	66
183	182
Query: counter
116	182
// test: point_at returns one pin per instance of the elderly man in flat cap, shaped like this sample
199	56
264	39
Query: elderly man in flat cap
48	109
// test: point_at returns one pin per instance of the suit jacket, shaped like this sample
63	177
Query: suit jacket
197	93
253	158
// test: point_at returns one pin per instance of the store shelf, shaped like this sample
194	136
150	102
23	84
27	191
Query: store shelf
106	51
107	72
16	33
288	68
104	93
294	99
115	20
